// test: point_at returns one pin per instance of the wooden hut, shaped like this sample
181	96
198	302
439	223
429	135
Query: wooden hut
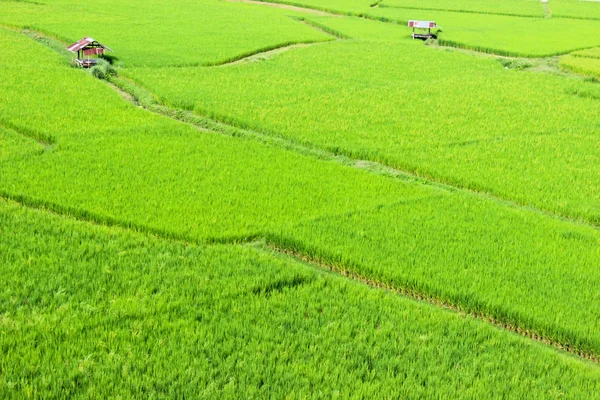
419	28
85	49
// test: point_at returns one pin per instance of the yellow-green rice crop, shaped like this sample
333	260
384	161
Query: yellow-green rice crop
116	164
588	66
504	35
591	53
586	9
143	309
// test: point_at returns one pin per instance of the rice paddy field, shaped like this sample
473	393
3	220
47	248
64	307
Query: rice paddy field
295	199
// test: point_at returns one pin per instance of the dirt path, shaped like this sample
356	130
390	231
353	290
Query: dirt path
286	7
265	55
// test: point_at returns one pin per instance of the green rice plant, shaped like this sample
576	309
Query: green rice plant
590	53
582	9
455	118
93	312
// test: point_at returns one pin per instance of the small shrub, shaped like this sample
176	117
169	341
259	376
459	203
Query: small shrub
103	70
98	72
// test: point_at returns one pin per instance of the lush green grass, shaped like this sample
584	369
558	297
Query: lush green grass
453	117
196	32
520	267
94	312
348	7
569	9
581	65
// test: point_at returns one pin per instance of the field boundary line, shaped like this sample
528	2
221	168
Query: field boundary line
290	7
262	55
315	25
270	247
47	142
504	53
250	54
270	51
35	3
93	218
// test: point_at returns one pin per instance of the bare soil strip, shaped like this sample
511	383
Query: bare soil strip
268	54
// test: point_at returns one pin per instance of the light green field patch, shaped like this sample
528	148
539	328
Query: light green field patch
582	65
589	9
591	53
361	29
338	6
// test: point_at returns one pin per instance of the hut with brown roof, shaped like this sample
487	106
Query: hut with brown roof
85	49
